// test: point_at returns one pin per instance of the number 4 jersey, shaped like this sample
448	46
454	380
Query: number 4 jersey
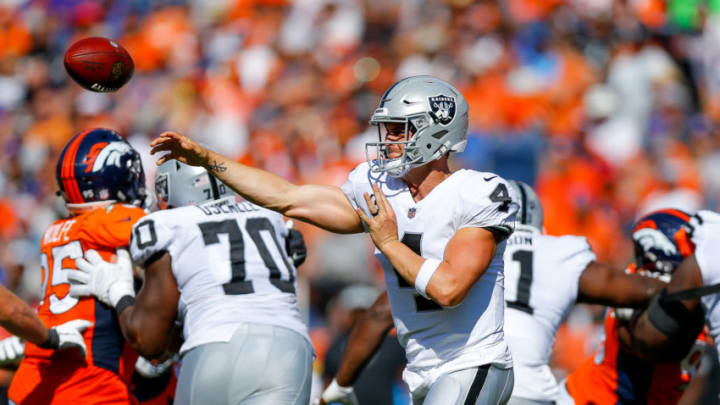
440	340
230	264
542	273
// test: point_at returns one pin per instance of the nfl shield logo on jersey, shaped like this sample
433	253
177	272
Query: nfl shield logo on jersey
411	212
443	107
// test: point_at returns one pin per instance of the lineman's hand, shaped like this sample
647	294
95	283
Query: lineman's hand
68	336
105	280
335	393
382	225
12	350
179	147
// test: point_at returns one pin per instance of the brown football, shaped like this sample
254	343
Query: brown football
99	64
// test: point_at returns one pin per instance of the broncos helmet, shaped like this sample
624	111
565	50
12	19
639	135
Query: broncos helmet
530	211
98	165
661	240
178	185
433	110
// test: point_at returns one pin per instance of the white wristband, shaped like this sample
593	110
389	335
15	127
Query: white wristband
425	274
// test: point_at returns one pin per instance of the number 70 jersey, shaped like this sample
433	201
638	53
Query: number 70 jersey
230	264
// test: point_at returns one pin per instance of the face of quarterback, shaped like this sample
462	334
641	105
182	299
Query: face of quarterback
395	132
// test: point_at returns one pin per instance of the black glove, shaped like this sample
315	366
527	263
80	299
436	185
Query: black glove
295	246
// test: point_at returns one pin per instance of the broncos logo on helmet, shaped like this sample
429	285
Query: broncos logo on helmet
99	165
660	240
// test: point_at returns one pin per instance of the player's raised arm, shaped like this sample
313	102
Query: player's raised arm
605	285
324	206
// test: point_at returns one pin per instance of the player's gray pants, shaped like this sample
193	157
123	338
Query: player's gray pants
486	385
261	364
525	401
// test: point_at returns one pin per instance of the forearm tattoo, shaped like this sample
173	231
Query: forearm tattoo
217	167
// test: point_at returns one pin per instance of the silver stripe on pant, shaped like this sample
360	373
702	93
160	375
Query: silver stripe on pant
261	364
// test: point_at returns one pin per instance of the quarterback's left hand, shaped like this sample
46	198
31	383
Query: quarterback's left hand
382	226
105	280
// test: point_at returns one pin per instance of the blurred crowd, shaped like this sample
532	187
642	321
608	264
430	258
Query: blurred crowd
608	107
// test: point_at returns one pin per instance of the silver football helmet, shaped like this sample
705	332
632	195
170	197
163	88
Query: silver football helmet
433	110
178	185
530	212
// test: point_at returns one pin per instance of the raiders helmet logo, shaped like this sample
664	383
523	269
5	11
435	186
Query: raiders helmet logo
161	186
443	108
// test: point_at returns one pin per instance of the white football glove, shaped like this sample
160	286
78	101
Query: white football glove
68	336
147	369
105	280
339	394
624	314
12	350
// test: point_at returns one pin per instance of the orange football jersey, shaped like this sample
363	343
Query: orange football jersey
615	376
63	377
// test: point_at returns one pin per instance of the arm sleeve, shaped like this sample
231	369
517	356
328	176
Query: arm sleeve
151	237
348	188
488	205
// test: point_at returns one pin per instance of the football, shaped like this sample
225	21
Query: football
99	64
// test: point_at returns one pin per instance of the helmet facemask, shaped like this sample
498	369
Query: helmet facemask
418	149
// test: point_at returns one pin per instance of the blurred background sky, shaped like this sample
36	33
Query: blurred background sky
608	107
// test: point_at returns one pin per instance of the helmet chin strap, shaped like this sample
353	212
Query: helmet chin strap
396	168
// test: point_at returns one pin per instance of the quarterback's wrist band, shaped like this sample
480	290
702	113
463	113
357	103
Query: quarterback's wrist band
123	303
53	340
425	274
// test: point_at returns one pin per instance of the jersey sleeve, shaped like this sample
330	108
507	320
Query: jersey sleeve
487	204
151	237
111	226
577	256
706	237
350	189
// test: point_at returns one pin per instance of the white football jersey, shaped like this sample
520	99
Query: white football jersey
706	236
439	340
230	264
541	285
